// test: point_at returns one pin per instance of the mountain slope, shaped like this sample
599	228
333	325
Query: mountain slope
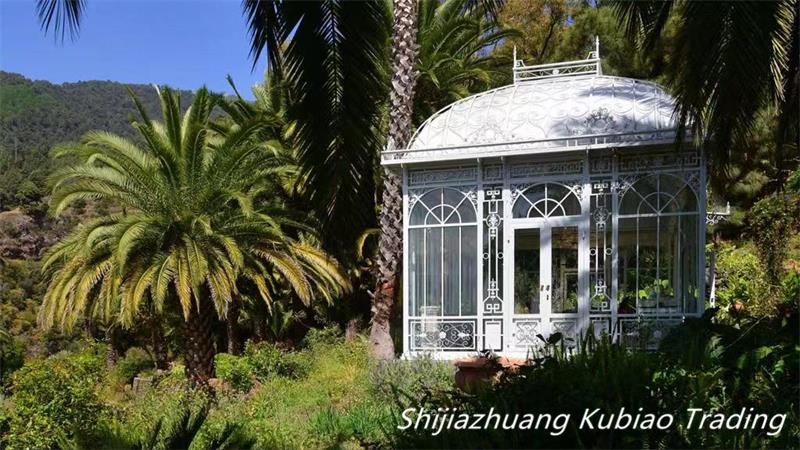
36	115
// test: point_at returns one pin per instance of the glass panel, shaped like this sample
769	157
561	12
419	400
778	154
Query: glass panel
469	270
526	271
647	282
669	241
433	272
523	206
628	274
564	269
426	202
640	198
571	205
681	196
416	274
451	270
689	268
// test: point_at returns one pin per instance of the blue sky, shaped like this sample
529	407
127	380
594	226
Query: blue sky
182	43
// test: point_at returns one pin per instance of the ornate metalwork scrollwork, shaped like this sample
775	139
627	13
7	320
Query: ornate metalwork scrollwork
492	250
437	334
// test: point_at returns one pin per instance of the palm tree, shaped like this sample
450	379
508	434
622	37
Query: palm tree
194	223
334	58
729	61
455	54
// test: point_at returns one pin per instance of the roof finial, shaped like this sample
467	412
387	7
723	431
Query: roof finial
597	54
597	46
514	65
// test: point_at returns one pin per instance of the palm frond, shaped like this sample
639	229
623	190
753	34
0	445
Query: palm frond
64	16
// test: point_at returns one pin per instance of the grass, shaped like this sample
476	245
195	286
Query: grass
332	406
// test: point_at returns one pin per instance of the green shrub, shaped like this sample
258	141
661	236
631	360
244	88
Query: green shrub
169	419
413	378
791	287
55	397
317	337
134	362
772	221
701	364
741	279
12	357
267	360
235	370
362	425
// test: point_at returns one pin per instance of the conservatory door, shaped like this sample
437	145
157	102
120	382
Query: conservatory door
546	288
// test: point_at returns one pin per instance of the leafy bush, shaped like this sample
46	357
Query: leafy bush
55	397
701	364
12	357
134	362
741	279
167	419
261	362
266	360
318	337
412	378
773	220
234	370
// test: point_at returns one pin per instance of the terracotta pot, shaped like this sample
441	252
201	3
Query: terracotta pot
736	309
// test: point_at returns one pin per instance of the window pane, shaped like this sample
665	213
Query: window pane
467	210
669	240
469	270
628	276
689	261
433	272
564	270
640	198
523	206
526	271
426	202
416	274
452	271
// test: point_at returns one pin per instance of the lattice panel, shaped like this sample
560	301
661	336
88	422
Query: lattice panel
493	251
525	334
568	328
600	248
453	175
435	334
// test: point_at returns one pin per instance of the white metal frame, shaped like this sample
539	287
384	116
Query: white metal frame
596	135
582	172
546	317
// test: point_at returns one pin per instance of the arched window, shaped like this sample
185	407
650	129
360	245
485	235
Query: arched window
546	200
443	253
658	246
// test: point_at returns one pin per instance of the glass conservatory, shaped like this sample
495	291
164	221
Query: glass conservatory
557	204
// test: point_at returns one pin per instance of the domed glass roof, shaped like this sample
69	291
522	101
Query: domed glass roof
548	108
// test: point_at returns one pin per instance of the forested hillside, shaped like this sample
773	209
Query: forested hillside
35	115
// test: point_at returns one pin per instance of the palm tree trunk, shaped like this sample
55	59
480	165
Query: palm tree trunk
232	328
259	324
200	344
114	346
159	346
404	80
351	329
